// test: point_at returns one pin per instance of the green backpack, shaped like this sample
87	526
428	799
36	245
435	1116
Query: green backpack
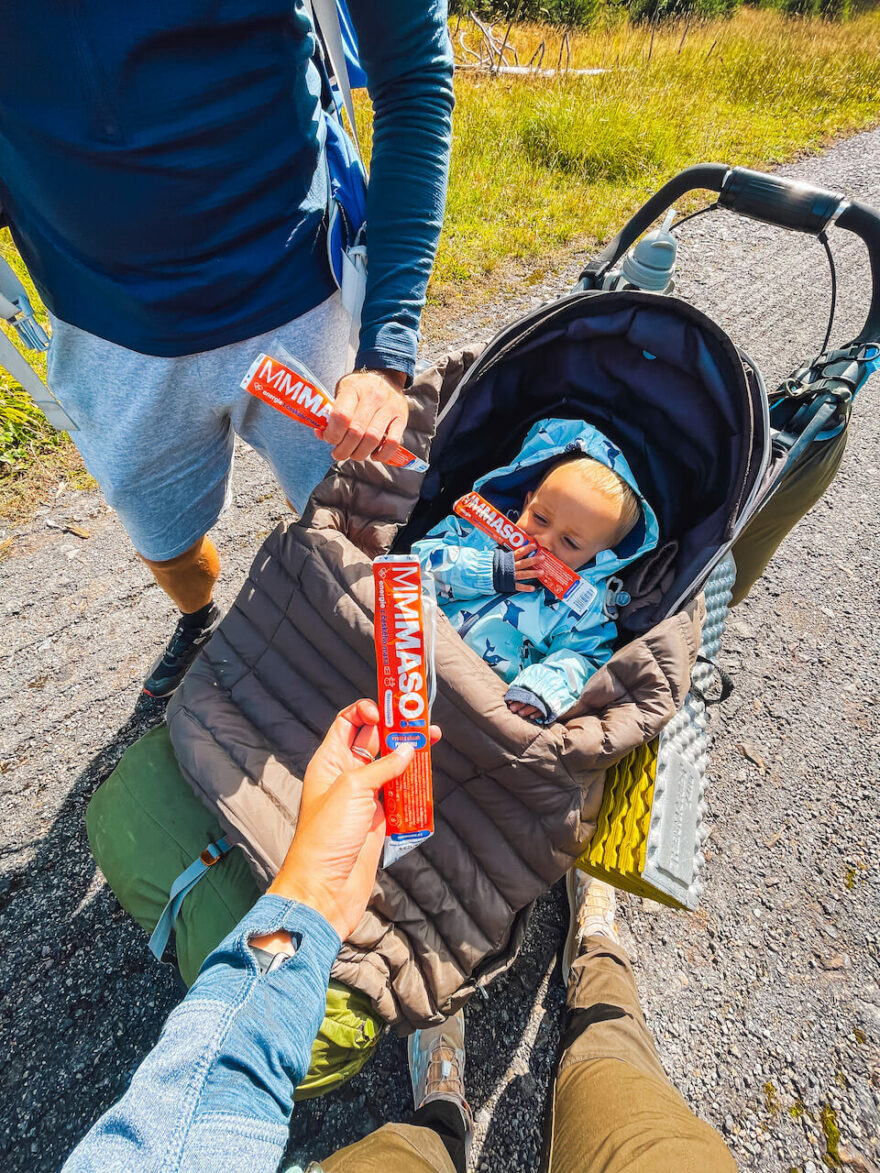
146	827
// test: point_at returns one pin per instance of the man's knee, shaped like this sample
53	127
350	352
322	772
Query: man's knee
609	1117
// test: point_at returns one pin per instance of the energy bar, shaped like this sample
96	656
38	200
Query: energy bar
563	582
290	388
403	664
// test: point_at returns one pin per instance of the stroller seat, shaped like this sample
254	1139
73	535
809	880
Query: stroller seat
515	804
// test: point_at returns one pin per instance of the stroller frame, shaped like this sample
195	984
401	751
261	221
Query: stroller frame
650	835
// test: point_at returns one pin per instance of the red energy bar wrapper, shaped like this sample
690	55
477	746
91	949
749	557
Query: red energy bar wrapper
566	584
292	389
404	665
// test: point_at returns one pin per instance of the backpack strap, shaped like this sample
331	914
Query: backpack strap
326	18
180	889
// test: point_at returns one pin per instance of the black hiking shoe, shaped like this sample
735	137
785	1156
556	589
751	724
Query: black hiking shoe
190	636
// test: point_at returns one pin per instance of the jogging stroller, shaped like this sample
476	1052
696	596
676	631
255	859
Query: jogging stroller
618	780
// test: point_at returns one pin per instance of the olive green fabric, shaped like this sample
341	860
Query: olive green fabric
799	491
145	827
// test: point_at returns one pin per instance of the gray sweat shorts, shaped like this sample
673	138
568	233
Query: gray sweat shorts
157	434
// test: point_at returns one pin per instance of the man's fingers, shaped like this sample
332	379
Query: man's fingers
393	438
435	734
344	408
374	435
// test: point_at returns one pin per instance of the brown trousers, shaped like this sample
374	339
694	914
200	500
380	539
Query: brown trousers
612	1110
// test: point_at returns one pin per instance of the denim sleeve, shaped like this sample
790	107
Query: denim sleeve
460	571
405	50
216	1092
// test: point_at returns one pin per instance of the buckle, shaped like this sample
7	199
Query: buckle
208	857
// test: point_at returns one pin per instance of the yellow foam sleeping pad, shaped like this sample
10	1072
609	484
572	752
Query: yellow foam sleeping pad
618	850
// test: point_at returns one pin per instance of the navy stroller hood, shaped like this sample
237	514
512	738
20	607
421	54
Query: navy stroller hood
662	382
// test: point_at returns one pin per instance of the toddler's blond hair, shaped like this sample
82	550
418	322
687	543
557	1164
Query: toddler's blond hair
612	486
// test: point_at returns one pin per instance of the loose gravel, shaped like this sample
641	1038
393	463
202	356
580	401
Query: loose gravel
765	1003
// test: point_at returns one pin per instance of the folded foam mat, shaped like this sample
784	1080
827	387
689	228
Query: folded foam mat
650	830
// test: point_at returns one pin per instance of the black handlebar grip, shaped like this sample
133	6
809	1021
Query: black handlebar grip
776	200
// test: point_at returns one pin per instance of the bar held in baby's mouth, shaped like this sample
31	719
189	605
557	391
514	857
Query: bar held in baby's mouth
563	582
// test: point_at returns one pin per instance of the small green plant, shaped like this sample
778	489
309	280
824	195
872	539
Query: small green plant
771	1099
800	7
828	1120
835	9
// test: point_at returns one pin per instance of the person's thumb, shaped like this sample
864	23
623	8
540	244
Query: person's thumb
383	770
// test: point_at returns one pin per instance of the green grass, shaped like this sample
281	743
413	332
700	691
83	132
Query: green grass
540	163
24	433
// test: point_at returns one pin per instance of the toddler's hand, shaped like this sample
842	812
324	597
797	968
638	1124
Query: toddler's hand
525	566
523	710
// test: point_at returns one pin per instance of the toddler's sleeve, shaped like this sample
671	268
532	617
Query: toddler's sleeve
462	571
554	684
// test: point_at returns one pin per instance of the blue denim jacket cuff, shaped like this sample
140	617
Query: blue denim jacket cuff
272	913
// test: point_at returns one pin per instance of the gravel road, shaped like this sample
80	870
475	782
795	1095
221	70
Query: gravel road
765	1003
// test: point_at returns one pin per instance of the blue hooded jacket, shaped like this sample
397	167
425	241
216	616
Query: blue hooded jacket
544	651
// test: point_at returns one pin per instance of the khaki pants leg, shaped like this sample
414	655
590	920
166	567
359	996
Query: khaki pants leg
799	492
395	1148
613	1109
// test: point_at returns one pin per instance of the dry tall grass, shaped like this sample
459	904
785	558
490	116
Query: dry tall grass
538	162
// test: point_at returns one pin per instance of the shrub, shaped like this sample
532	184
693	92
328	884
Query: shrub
565	12
800	7
835	9
661	10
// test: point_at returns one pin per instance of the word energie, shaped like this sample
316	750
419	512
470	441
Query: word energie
292	390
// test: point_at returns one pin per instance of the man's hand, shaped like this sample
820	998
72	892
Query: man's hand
332	861
369	416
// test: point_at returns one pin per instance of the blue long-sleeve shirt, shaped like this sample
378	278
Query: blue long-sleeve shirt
162	166
216	1092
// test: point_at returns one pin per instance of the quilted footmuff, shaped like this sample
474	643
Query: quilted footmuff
514	803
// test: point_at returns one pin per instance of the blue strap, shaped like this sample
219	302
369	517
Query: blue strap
181	887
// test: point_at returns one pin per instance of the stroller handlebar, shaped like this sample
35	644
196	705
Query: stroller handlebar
773	199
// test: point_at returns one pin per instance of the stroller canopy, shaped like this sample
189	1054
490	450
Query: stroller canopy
656	376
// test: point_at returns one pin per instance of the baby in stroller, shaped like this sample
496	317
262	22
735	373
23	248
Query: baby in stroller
573	492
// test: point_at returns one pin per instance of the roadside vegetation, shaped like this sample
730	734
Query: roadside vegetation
542	162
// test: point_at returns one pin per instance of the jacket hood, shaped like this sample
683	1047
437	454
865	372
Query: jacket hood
547	442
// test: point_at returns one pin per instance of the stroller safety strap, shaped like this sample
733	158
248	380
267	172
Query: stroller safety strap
181	888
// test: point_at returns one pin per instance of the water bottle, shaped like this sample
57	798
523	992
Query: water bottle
649	264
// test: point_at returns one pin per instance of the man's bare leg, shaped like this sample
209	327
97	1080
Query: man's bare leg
189	581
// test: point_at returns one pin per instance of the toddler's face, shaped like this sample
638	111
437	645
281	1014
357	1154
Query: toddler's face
570	518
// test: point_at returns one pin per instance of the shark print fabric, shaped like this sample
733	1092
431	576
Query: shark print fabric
532	640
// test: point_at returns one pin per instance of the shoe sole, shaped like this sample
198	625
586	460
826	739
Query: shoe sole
568	949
